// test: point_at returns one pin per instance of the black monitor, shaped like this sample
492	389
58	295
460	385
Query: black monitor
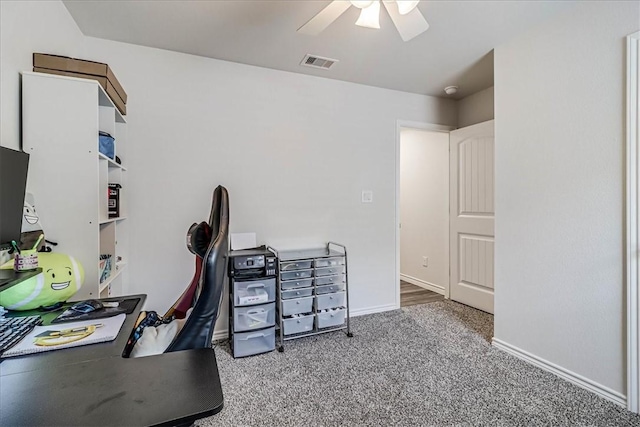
13	183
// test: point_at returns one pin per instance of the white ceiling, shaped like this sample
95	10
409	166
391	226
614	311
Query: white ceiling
456	50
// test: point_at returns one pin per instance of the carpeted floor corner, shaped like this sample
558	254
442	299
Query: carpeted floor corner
429	364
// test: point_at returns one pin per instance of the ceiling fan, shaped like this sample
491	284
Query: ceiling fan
404	14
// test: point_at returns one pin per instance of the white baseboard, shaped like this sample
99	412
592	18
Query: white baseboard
220	335
372	310
563	373
423	284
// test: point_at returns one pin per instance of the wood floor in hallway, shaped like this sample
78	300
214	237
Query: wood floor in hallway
413	295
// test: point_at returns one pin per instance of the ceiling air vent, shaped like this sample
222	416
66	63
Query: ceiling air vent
316	61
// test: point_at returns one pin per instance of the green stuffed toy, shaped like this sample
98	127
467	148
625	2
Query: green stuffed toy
61	277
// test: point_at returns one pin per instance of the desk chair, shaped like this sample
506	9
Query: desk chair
210	243
197	331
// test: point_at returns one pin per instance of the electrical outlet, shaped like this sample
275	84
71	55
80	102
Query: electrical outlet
425	261
367	196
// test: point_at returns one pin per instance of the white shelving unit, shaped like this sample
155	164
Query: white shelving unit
61	118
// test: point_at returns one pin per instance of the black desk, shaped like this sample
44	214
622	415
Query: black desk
94	386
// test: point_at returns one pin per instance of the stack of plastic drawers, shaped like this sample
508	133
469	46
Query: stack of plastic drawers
313	293
252	303
331	297
296	294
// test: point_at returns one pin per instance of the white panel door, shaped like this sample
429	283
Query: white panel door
472	215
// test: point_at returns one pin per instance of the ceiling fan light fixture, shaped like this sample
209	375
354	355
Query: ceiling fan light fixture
370	16
450	90
361	4
406	6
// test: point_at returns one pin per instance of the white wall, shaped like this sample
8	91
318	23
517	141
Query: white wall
27	27
476	108
294	151
424	206
559	95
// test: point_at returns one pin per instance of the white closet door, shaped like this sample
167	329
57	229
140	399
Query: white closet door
472	215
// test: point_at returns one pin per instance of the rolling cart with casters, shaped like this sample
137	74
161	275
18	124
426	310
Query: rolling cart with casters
312	292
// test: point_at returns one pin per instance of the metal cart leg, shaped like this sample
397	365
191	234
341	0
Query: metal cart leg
278	300
346	282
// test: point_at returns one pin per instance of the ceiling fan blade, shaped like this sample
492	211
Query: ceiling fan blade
409	25
324	18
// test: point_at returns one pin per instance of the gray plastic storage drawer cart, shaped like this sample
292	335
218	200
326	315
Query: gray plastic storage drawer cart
252	302
312	292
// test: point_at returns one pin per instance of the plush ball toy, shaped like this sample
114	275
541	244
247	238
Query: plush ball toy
61	277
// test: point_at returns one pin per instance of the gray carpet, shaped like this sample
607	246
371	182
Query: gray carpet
430	364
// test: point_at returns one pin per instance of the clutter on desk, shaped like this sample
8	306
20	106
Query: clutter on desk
127	304
55	337
14	329
111	307
25	260
89	309
62	275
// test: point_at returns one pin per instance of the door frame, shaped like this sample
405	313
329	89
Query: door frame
632	267
406	124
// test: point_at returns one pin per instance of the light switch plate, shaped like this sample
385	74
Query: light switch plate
367	196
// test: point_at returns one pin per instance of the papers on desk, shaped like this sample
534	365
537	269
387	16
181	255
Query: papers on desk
66	335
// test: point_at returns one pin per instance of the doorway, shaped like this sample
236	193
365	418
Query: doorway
424	214
445	217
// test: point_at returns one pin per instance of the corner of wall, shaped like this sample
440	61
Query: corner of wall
476	108
27	27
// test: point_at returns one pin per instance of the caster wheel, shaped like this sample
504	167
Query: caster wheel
350	334
281	349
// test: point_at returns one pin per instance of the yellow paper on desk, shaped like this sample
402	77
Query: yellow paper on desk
66	335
